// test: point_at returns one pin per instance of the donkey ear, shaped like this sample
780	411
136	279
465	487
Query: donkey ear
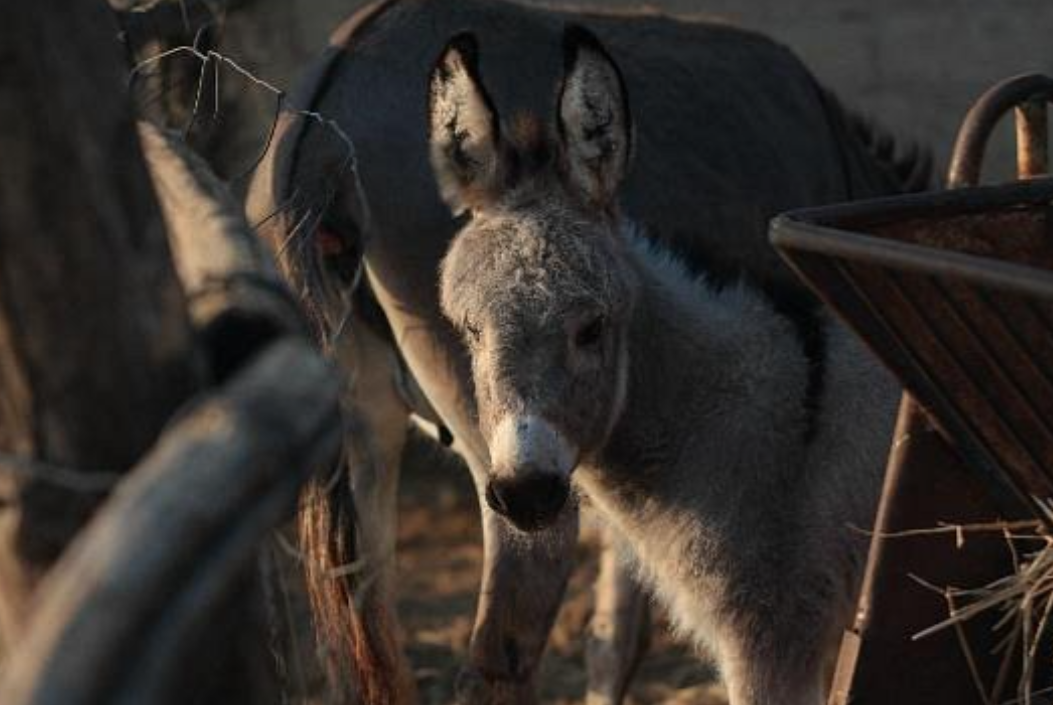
464	136
593	117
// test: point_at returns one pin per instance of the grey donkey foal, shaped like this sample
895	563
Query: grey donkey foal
732	463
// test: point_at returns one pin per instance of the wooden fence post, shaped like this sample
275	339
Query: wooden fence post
96	350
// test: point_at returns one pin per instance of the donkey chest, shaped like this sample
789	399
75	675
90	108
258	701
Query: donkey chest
684	581
679	557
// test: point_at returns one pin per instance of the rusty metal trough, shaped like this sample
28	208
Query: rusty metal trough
954	292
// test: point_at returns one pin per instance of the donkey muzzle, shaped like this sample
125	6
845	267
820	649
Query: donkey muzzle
531	464
531	501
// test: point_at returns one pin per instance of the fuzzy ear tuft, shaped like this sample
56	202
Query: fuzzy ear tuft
593	116
464	132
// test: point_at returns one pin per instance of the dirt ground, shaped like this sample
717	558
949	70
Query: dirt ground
439	565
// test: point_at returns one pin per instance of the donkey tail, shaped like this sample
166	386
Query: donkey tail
358	645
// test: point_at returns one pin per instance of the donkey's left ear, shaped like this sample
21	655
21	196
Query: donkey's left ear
464	130
594	122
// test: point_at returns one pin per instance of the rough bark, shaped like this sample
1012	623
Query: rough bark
96	350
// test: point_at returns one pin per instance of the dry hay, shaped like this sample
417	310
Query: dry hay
1022	602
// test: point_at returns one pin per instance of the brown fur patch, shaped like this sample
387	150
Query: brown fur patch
531	144
528	133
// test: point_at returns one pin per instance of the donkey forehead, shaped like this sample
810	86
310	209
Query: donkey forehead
541	264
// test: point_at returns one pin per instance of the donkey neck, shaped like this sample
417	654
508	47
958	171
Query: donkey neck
714	406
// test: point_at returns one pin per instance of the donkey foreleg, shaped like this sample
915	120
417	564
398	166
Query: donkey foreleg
618	631
786	673
524	575
524	578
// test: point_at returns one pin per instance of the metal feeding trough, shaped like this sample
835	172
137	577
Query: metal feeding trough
954	292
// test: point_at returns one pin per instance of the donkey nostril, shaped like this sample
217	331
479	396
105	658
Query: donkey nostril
494	499
551	492
531	502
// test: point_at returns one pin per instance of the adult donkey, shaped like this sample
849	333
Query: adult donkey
735	130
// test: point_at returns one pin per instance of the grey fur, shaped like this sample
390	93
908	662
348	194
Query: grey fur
689	415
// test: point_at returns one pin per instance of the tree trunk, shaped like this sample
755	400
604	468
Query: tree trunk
96	350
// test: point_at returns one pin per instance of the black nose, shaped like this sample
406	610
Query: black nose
530	502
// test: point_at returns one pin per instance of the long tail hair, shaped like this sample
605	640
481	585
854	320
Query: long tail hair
301	211
359	647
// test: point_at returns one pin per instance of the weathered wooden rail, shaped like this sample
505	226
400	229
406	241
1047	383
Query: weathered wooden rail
145	584
160	405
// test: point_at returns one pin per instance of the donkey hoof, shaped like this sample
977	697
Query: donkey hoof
473	688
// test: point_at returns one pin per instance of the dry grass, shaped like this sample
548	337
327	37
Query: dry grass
1022	602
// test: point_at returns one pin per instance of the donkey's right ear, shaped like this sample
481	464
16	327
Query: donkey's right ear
593	117
464	133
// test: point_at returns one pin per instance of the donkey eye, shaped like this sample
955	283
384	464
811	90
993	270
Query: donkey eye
591	333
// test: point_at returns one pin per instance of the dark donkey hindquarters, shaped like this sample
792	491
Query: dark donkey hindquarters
730	129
